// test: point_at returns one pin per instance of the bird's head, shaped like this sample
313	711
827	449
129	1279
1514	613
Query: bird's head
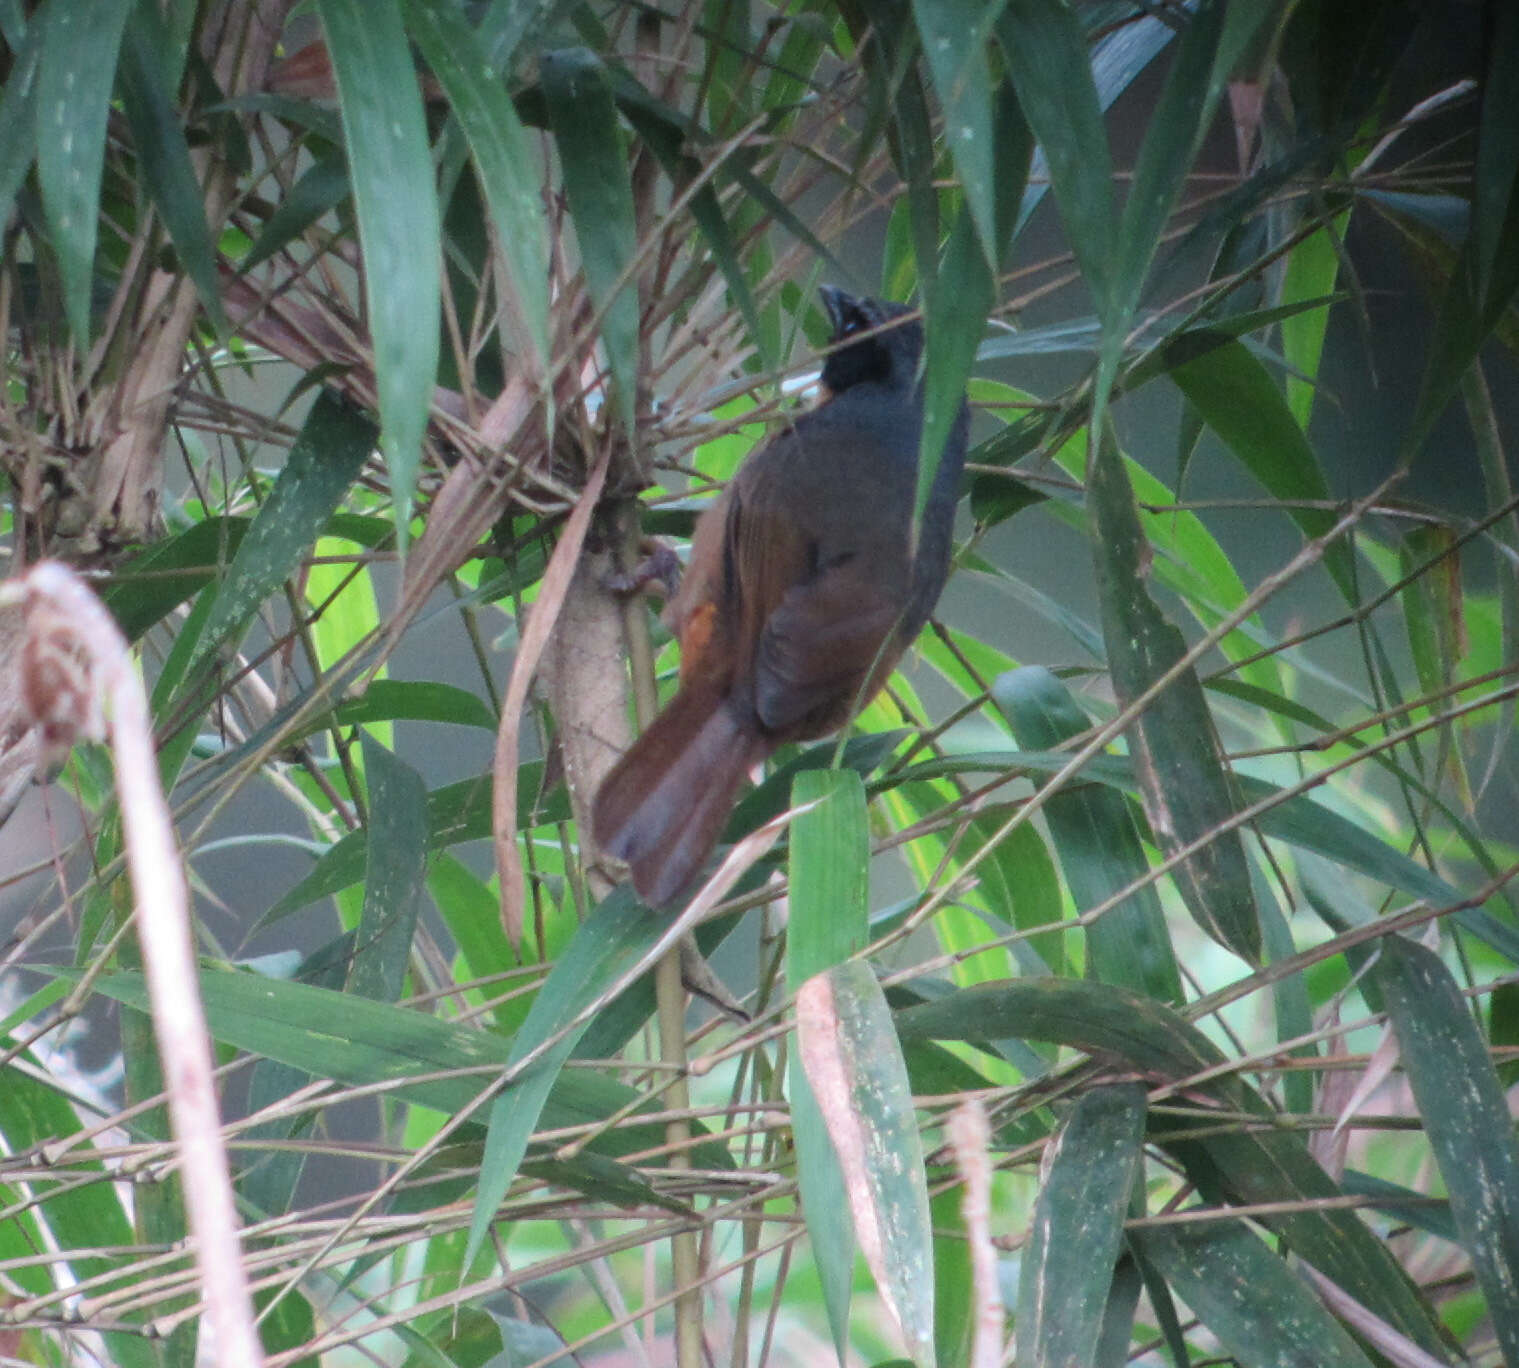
887	351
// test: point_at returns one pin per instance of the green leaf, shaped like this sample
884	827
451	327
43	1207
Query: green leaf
150	586
1466	1117
423	700
1297	820
1098	844
80	1215
80	41
954	35
18	116
1312	269
955	320
854	1064
1046	53
830	887
319	190
393	875
1433	614
1486	275
1187	788
360	1042
1249	1164
163	156
613	938
1238	399
1263	1315
584	118
505	162
1067	1268
397	206
333	444
1215	32
455	813
830	873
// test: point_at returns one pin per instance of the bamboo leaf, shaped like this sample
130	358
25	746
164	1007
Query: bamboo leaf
612	939
1239	401
1243	1292
1046	54
455	813
854	1065
830	883
18	116
1466	1117
583	115
333	445
152	584
78	1215
393	875
1214	34
1244	1163
319	190
1098	844
361	1042
955	320
1312	270
390	165
954	34
163	155
503	157
80	42
1187	788
1067	1267
1486	274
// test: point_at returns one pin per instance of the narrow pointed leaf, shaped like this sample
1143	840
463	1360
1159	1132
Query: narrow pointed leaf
319	190
1312	270
391	167
80	43
455	813
608	944
1263	1314
163	155
583	115
1045	49
333	444
1186	787
1098	844
1466	1116
1246	1163
1067	1267
504	158
151	585
393	877
1486	274
1237	398
854	1063
18	116
1297	820
357	1041
79	1215
1213	34
954	34
830	889
955	321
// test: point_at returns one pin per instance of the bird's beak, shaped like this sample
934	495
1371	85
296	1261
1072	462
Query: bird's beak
837	305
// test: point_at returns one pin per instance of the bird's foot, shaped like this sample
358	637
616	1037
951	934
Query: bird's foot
660	569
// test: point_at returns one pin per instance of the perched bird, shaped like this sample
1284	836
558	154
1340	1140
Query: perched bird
802	591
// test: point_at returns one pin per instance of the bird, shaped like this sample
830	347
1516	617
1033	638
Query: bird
804	586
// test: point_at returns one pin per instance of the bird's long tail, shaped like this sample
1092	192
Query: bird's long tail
663	805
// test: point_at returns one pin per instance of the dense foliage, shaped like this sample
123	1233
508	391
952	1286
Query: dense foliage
1138	979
